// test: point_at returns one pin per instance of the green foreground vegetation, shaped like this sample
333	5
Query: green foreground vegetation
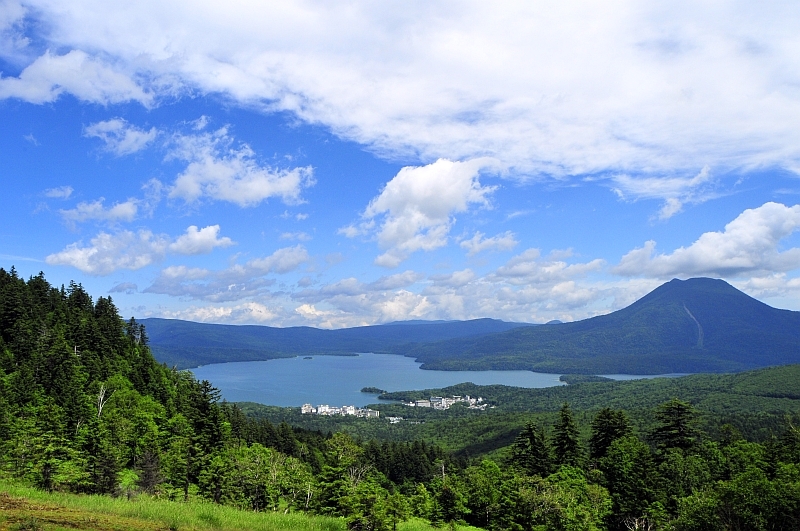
110	439
28	508
24	507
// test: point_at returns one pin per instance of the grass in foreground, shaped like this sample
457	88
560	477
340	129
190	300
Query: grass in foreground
27	509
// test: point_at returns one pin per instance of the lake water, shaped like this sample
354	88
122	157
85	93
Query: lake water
645	376
338	380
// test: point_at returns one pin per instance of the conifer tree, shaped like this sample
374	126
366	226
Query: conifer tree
607	427
531	451
677	425
566	445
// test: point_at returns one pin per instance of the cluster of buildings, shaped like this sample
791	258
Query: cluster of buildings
436	402
325	409
439	402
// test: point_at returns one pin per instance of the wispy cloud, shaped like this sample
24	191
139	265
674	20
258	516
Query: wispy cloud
120	137
675	191
96	210
478	243
299	236
61	192
128	288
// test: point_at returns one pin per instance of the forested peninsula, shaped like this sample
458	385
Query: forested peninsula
86	409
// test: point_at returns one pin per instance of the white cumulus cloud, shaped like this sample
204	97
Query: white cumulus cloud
529	287
199	241
219	170
416	207
235	283
530	267
247	312
558	88
107	253
748	245
85	77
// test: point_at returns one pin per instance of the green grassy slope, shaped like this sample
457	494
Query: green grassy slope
696	325
26	508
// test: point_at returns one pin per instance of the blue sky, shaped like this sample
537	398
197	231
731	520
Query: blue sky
309	164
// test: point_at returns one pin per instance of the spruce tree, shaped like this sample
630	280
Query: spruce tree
607	427
566	445
531	451
677	425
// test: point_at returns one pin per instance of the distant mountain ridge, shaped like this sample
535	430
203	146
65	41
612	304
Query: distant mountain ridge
683	326
187	344
695	325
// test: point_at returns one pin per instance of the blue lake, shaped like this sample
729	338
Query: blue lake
338	380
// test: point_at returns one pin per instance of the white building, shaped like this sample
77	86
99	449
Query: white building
325	409
441	402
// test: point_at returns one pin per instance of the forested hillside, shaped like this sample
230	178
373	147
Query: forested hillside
696	325
757	403
84	408
84	405
185	344
683	326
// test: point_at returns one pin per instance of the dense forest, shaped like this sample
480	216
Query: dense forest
85	408
757	403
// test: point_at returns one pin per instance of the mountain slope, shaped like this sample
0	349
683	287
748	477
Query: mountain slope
696	325
188	344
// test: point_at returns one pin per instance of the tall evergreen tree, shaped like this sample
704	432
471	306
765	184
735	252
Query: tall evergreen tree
531	451
607	426
677	426
566	444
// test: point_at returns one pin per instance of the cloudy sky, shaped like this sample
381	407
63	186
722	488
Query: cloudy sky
346	163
